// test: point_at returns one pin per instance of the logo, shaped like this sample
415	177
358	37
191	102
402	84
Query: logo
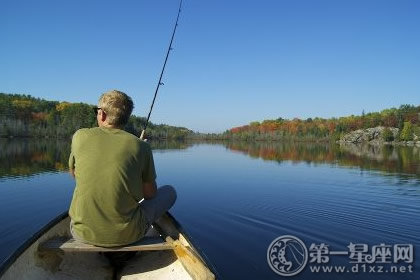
287	255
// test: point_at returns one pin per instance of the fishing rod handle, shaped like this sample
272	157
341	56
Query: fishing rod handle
142	134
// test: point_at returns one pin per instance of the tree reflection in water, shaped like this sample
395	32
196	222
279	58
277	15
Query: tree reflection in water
403	161
20	157
25	157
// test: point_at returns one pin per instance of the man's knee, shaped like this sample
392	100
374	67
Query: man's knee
169	191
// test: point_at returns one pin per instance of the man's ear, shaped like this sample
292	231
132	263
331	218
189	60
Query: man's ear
103	116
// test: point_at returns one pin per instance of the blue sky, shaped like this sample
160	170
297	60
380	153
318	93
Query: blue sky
233	61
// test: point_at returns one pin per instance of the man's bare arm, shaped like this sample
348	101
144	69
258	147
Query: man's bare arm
149	189
72	172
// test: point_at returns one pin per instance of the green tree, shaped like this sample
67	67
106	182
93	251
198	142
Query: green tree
387	135
407	132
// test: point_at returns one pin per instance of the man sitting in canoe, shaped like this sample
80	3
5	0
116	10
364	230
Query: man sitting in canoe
114	171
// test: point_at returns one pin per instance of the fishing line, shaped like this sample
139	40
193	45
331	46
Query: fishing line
163	70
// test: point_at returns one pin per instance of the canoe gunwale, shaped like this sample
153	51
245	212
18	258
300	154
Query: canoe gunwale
22	248
204	258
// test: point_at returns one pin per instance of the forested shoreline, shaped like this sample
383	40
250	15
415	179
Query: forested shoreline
406	118
26	116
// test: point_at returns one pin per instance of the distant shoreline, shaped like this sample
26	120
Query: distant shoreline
209	140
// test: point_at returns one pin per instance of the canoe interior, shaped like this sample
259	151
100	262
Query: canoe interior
30	263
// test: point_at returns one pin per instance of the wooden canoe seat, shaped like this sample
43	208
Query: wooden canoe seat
72	245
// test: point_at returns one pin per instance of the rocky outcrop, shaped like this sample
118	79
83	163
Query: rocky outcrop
374	136
369	135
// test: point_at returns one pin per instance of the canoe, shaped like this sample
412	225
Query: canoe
166	252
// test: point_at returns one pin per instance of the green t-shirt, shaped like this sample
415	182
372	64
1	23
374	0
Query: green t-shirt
110	166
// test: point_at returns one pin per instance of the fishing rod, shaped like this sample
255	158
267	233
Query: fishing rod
161	73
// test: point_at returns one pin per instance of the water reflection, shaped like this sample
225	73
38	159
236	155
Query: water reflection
401	160
169	145
26	157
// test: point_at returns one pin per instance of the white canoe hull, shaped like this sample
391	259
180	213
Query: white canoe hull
31	263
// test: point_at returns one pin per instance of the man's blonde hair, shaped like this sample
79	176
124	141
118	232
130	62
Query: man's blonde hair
117	106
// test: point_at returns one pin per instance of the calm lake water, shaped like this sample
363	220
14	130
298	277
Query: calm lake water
235	198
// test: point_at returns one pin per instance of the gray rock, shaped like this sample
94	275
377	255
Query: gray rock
369	135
